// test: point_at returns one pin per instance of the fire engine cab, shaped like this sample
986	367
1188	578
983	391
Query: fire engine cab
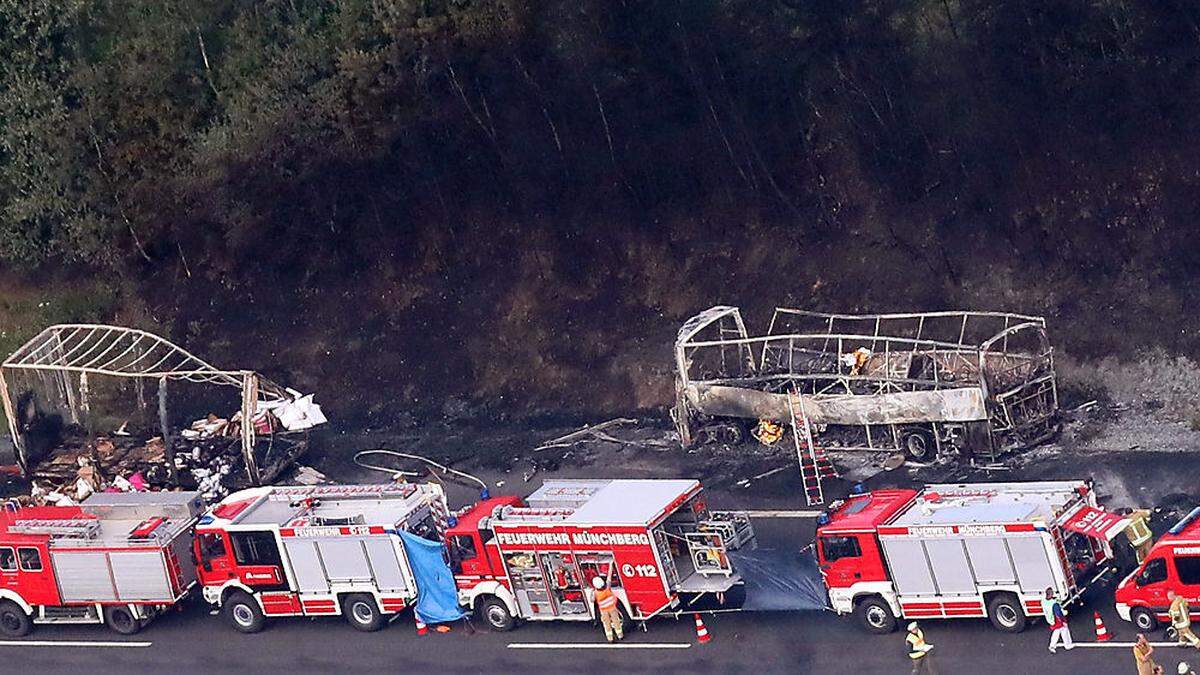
117	559
1173	564
315	551
654	541
967	550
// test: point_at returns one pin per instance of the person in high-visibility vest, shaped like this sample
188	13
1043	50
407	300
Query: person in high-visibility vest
918	651
610	614
1056	616
1181	619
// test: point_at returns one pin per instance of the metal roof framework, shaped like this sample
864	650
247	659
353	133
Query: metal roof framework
117	351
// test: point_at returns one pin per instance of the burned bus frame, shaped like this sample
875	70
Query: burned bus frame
67	355
982	383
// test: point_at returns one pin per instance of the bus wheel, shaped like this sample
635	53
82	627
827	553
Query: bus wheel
120	619
243	613
14	622
918	445
875	615
496	614
362	613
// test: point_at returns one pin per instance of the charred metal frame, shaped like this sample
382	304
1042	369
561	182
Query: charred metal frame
69	353
980	381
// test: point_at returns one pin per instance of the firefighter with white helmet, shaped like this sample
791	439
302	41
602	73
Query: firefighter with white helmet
610	614
918	650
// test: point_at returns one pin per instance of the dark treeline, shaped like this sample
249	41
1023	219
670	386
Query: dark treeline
519	201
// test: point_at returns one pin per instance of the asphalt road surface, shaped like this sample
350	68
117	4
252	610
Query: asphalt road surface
192	641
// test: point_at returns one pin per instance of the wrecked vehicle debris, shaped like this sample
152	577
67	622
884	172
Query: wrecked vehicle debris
62	384
980	383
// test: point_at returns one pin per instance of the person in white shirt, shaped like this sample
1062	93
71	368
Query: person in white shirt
1056	616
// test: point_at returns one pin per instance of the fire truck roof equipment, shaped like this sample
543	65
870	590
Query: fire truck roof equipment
386	504
640	502
988	503
105	521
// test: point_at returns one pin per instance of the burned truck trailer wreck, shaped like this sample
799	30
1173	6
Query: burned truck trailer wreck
980	383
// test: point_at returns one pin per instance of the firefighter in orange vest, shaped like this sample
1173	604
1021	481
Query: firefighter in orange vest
610	615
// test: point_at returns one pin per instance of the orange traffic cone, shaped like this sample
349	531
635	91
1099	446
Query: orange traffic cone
1102	634
702	635
422	629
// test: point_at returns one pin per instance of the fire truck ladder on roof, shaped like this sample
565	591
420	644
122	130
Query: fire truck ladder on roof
80	528
341	491
814	463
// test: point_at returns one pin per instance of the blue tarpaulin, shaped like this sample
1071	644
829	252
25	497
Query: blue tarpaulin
779	579
437	597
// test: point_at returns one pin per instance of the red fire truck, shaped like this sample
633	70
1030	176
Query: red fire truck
1172	564
656	542
967	550
314	551
117	559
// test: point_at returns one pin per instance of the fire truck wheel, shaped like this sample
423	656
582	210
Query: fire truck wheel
362	612
14	622
496	614
1005	613
875	615
244	613
121	620
1144	619
918	444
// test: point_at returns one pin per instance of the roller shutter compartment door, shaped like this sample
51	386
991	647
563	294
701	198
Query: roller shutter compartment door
306	566
83	576
385	564
1033	567
951	572
910	569
140	575
989	558
345	559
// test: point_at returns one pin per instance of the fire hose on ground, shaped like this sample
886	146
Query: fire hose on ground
413	474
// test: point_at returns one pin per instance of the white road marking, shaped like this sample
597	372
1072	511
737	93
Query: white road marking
70	643
783	514
1123	644
599	645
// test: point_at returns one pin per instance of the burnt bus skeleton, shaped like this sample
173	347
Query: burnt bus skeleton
979	383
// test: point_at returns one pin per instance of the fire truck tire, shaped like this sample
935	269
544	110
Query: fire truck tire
496	614
243	613
1144	619
121	620
362	612
14	622
918	444
1005	613
875	615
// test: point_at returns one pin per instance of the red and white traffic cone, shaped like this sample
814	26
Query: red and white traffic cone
422	629
702	635
1102	634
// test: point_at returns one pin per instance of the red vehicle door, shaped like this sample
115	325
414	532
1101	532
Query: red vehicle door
214	558
846	559
1153	582
25	569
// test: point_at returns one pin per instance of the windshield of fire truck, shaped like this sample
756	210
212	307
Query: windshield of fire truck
460	547
212	545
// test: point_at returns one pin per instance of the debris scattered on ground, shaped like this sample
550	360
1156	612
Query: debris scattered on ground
594	431
306	475
746	482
